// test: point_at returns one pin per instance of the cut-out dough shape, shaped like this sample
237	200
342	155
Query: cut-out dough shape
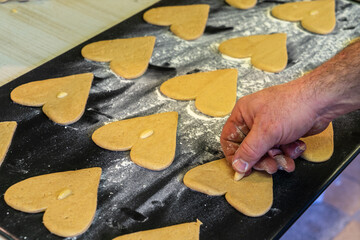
69	199
242	4
187	22
155	151
315	16
129	58
7	130
319	147
63	99
252	195
267	52
214	92
185	231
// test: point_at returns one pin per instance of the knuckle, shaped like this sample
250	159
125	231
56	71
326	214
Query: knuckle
271	132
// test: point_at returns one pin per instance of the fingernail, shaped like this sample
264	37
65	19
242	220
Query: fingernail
238	176
280	159
240	165
300	148
274	151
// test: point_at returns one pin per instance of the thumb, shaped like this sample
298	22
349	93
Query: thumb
252	148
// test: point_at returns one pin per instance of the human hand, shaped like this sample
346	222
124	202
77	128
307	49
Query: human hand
263	129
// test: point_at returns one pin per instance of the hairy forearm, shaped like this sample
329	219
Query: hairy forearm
334	87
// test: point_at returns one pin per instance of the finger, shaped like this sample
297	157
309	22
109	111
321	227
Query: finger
251	150
229	148
232	135
238	119
239	176
294	149
267	164
234	129
244	129
285	163
274	151
248	172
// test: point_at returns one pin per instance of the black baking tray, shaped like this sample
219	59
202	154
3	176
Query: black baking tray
131	198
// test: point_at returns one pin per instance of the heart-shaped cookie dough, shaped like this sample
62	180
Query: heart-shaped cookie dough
185	231
187	22
63	99
152	139
319	147
214	92
267	52
315	16
69	199
129	58
7	130
252	195
242	4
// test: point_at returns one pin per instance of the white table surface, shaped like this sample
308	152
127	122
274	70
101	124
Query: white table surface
33	32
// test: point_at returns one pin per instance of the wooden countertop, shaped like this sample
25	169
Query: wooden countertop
33	32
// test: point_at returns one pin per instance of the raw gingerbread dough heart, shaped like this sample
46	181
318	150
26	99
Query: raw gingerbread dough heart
315	16
129	58
185	231
152	139
69	199
63	99
187	22
252	195
242	4
267	52
319	147
214	92
7	130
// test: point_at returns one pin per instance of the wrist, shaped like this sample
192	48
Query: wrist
335	85
326	94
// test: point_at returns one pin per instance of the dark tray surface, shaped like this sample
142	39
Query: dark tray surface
132	198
